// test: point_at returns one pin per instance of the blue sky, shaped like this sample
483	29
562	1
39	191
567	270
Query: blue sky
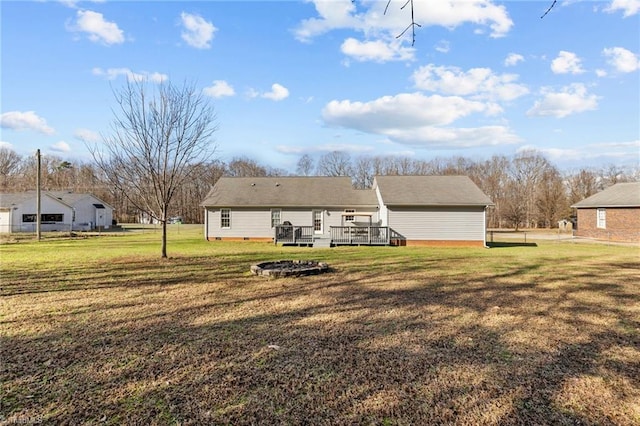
288	78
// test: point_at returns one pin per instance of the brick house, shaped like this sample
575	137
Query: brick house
612	214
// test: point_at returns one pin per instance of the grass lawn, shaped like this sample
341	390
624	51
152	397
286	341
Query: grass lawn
101	330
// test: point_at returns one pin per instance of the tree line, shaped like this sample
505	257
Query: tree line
528	190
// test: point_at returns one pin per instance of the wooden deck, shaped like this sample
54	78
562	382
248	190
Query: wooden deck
338	235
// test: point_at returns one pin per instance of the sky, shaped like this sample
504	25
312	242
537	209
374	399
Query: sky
288	78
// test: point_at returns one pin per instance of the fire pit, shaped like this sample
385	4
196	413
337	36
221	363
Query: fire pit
286	268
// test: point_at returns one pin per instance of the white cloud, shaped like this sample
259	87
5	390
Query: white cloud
61	146
86	135
6	145
219	89
369	17
74	3
331	147
113	73
448	137
443	46
403	110
27	120
278	92
628	7
479	82
513	59
572	99
377	51
197	32
416	119
98	30
566	63
621	59
602	151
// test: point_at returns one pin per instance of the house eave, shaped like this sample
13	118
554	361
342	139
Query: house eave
605	206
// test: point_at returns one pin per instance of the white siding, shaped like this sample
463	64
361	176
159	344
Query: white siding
383	211
48	205
254	223
5	222
439	224
86	213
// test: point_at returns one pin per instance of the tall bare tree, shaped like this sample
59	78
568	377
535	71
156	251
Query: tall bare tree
158	134
304	167
9	164
336	163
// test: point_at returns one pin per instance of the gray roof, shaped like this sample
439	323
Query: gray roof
287	192
17	198
618	195
430	191
6	200
71	197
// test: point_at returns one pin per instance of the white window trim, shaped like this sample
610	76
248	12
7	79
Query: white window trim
273	225
346	218
228	218
601	218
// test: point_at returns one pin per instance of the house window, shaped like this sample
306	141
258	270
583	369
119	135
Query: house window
28	218
225	218
52	217
349	218
602	218
275	217
45	217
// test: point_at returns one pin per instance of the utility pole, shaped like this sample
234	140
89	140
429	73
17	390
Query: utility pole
38	199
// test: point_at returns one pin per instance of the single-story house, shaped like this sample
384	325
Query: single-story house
18	213
411	210
612	214
58	211
433	210
90	211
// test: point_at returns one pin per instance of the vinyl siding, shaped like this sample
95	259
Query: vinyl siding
438	223
383	211
256	223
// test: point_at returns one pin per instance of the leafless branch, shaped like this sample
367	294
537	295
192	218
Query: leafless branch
549	9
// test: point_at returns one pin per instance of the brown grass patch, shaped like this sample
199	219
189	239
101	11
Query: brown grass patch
393	336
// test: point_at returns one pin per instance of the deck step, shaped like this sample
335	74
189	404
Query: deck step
322	243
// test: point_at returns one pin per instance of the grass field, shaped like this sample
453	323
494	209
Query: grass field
101	330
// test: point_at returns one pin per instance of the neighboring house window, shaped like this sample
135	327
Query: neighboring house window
602	218
45	217
349	218
55	217
225	218
275	217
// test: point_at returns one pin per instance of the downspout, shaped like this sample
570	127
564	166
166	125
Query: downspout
484	217
206	223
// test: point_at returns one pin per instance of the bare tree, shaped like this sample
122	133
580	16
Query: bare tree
305	165
363	173
336	163
551	198
245	167
159	134
581	185
9	164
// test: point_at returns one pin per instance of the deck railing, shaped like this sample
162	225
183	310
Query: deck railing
294	234
340	235
369	235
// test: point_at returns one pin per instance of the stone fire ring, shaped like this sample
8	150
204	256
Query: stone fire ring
287	268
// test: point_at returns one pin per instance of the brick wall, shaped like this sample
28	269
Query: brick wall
622	224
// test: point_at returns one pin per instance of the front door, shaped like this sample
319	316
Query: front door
317	221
